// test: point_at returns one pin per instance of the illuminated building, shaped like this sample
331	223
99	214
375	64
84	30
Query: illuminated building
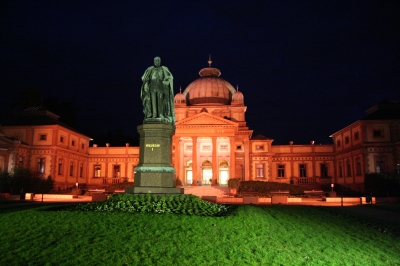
212	143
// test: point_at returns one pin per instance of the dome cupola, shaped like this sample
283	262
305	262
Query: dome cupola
209	89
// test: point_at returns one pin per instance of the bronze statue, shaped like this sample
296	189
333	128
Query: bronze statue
157	94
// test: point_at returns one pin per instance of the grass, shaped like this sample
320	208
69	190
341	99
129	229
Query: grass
250	235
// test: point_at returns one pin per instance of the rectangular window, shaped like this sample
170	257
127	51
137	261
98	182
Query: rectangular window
348	168
81	170
71	169
223	147
358	166
260	170
379	164
41	163
117	171
259	147
356	135
206	148
82	146
338	143
62	139
21	162
281	171
43	137
303	172
346	140
60	166
377	133
340	170
73	143
97	170
324	170
238	147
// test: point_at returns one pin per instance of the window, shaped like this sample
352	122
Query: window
377	133
21	162
324	170
97	170
238	147
117	171
81	170
62	139
358	166
346	140
189	147
357	135
281	171
259	147
260	170
340	170
73	143
60	166
40	168
338	143
379	164
303	172
223	147
82	146
43	137
71	169
348	168
206	148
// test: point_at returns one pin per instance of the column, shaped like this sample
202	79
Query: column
194	161
232	173
247	160
180	170
214	162
176	162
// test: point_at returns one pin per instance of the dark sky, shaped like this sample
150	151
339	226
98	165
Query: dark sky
306	68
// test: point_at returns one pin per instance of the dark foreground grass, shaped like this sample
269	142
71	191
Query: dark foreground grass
250	235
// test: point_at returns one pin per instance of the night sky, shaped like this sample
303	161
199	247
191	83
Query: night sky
306	68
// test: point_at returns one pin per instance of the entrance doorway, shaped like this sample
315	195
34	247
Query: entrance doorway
223	173
206	175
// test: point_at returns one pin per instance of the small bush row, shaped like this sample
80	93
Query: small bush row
263	188
144	203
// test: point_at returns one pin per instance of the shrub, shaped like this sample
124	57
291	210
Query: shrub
234	183
178	182
178	204
263	188
380	184
23	178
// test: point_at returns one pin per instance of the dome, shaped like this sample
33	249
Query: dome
209	89
237	98
179	98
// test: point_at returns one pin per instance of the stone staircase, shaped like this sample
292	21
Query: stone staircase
200	191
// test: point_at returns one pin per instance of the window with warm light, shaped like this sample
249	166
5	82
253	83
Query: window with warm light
41	164
260	170
97	170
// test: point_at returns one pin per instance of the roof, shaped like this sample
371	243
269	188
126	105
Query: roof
260	137
35	116
385	110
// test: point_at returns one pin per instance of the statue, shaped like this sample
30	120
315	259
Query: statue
157	94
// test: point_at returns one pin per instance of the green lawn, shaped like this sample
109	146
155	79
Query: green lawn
250	235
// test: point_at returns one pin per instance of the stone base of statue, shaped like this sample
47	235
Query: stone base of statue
154	174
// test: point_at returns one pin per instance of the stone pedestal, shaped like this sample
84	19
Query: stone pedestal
154	174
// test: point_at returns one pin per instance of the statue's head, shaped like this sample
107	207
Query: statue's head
157	61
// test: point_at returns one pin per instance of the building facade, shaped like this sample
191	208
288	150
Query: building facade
211	144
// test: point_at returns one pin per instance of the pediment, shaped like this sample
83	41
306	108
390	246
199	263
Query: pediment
205	118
